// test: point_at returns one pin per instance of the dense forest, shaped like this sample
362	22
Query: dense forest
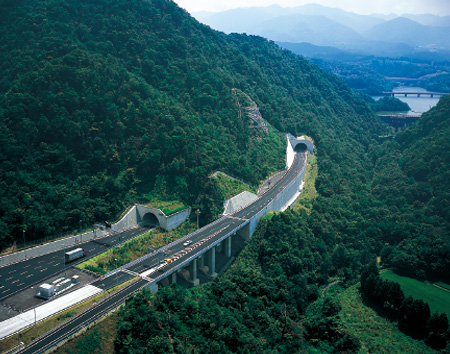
107	101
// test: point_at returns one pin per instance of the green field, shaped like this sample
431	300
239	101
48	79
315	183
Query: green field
377	334
437	298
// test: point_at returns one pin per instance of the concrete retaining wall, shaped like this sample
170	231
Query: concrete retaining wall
129	220
281	202
177	219
238	202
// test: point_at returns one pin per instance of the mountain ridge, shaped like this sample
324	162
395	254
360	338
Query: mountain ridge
371	39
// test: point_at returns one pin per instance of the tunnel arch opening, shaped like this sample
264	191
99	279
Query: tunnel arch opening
300	147
150	220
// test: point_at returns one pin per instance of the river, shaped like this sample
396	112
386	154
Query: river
418	105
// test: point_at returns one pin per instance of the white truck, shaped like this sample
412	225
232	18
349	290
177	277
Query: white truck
75	254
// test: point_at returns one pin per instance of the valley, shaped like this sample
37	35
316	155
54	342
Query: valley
107	104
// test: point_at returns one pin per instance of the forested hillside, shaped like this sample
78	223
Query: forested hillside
412	186
103	102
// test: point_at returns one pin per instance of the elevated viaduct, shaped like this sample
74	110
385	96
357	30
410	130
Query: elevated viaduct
198	251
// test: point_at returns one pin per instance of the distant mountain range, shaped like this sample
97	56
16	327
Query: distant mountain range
380	35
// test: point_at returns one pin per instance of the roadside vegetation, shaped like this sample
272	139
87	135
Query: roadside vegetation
167	207
136	248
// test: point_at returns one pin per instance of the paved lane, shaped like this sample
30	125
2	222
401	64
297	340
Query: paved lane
19	276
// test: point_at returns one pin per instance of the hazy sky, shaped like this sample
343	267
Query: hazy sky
436	7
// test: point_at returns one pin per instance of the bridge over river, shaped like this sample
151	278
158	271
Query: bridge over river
417	93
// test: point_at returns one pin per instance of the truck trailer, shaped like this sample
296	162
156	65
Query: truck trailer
75	254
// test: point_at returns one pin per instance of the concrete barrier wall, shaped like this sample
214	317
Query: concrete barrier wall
51	247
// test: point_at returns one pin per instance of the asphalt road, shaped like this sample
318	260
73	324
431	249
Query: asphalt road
19	276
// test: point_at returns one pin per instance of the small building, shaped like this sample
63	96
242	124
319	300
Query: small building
46	291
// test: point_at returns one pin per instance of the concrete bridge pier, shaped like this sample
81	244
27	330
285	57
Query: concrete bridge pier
212	262
174	277
193	271
245	232
153	286
228	246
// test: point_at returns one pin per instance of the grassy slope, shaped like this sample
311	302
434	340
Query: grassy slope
438	299
136	248
309	191
231	187
96	339
377	334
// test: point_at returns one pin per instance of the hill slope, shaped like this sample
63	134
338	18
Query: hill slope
412	180
105	102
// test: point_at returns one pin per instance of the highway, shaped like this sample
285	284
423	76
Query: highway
213	232
201	239
22	275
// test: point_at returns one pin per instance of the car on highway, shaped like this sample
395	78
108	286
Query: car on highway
187	243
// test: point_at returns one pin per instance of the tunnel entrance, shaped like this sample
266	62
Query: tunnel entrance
300	147
150	219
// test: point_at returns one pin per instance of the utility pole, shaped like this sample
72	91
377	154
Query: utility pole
24	249
117	275
34	306
198	213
